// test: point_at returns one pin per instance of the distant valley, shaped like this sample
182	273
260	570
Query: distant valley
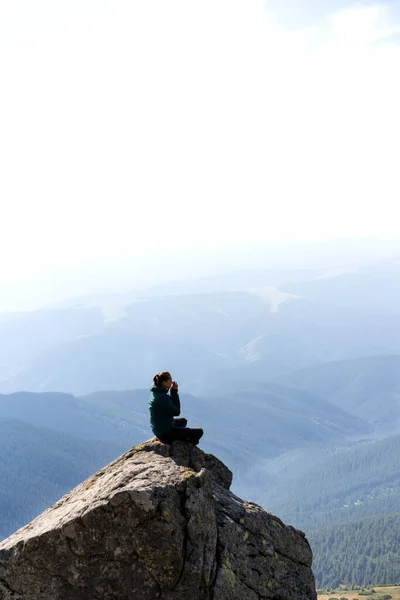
292	373
205	331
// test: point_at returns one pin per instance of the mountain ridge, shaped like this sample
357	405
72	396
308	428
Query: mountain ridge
367	387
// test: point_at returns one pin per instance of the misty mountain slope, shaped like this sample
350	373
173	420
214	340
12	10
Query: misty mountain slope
304	330
87	418
119	416
242	426
257	266
248	425
263	344
345	483
255	334
367	387
231	282
287	401
337	332
302	333
198	318
39	465
115	359
373	288
199	411
25	335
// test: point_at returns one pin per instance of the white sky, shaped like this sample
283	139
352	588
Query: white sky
129	124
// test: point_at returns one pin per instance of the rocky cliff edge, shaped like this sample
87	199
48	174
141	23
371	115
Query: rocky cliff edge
159	523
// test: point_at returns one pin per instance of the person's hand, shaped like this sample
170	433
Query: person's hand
175	385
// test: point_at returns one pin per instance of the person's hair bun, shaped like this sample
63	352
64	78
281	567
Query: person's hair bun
161	377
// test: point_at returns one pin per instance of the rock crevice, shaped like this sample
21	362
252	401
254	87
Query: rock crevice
159	523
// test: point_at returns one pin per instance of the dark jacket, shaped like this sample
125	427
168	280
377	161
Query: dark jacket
163	409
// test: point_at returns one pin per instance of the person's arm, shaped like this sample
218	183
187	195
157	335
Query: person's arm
174	404
175	396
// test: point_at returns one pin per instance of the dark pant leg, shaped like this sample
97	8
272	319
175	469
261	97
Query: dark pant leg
184	434
180	422
196	434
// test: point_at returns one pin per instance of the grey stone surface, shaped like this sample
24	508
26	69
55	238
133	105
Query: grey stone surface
158	523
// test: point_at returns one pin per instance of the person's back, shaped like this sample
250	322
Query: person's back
165	407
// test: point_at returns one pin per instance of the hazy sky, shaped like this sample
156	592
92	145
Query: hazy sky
134	124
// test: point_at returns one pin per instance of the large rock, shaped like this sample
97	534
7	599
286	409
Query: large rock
158	523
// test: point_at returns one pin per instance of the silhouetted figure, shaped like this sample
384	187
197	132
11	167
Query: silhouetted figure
165	407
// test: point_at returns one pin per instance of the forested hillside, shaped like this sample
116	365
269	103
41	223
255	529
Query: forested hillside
365	552
40	465
350	482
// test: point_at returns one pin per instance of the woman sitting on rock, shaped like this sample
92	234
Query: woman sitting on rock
165	407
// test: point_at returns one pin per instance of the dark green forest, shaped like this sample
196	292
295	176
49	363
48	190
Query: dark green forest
363	552
349	483
39	465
